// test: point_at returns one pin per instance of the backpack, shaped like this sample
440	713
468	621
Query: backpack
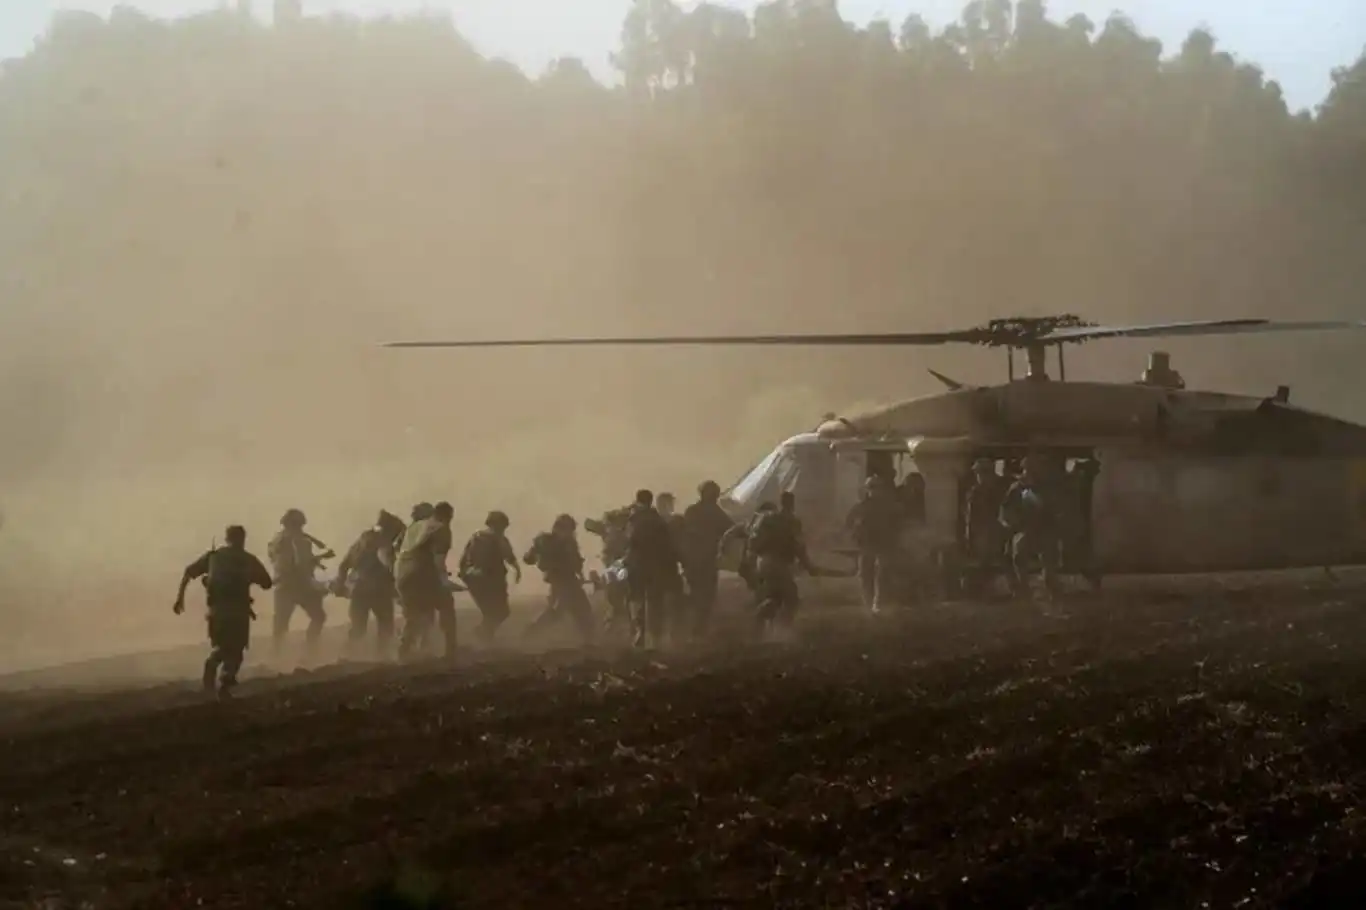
229	576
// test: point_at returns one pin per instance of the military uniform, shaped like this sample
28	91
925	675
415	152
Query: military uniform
779	547
367	571
556	553
423	585
652	568
484	567
228	573
876	522
291	556
983	533
1029	513
705	525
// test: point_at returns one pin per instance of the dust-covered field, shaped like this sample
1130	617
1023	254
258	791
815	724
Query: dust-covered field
1170	744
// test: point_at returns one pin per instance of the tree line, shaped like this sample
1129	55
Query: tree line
784	169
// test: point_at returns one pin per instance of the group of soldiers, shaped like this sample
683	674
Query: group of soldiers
1030	521
662	576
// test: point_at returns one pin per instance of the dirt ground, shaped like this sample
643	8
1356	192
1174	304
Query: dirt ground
1177	744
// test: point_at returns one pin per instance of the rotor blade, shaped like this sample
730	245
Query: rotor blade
1203	327
878	338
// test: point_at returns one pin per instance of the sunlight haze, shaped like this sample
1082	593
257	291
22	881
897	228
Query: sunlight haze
1296	42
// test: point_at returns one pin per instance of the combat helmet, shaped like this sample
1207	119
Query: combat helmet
497	520
422	511
709	490
293	518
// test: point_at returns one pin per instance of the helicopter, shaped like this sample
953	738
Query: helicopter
1187	481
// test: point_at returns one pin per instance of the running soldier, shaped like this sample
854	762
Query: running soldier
292	557
612	528
484	570
366	575
423	583
651	565
705	526
229	572
556	553
779	547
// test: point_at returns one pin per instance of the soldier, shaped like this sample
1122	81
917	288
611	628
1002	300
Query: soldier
1029	514
556	553
676	595
1078	549
705	526
366	573
779	546
291	555
612	529
875	523
745	533
982	520
651	564
484	570
229	572
423	583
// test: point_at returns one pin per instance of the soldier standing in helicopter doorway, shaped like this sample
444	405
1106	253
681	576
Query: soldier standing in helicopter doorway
484	568
1078	545
875	523
291	556
983	532
1030	515
229	572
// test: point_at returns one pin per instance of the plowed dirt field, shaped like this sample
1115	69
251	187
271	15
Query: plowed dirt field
1166	745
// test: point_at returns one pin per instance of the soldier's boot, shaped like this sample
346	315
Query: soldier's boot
227	681
210	676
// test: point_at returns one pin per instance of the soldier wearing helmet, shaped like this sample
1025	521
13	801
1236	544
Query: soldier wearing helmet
423	583
229	572
875	523
294	563
556	553
778	545
484	569
705	525
1029	513
422	511
366	575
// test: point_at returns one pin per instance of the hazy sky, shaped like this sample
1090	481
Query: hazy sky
1296	41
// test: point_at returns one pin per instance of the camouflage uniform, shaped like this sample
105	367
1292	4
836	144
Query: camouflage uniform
291	556
875	522
366	573
676	613
484	570
228	573
556	553
423	584
652	569
705	526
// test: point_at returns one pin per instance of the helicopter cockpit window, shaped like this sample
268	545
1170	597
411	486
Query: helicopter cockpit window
766	480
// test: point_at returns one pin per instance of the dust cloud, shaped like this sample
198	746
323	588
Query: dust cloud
208	225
